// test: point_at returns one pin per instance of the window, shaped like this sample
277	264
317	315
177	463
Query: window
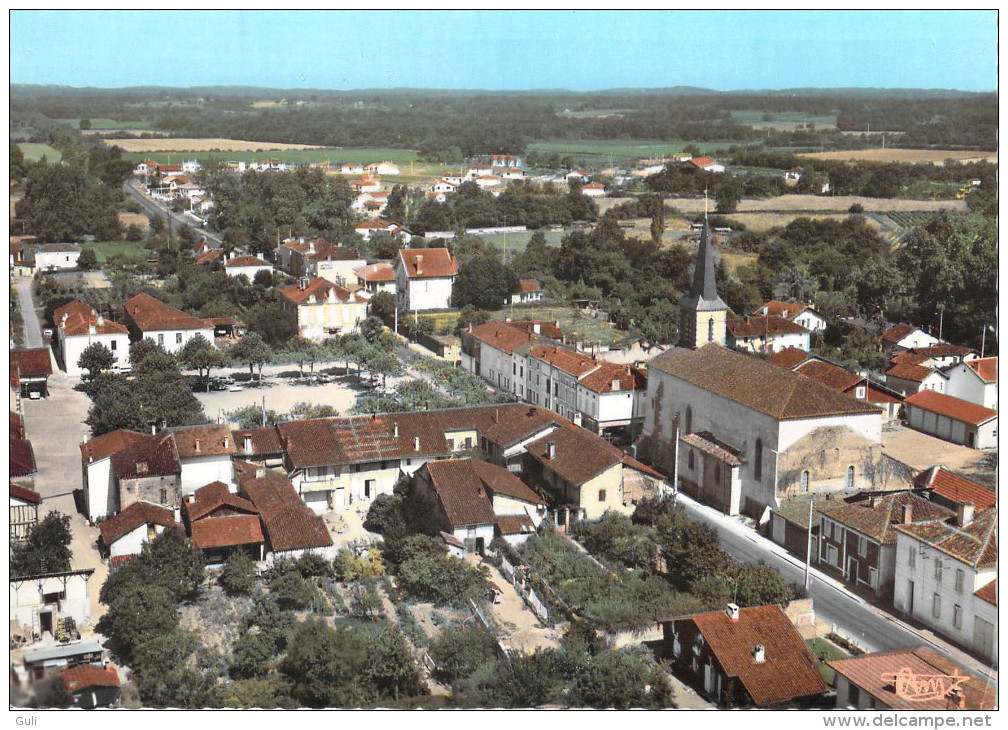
957	616
872	578
601	495
862	546
803	483
826	532
160	339
114	343
758	460
859	392
369	485
849	480
164	496
938	570
514	368
936	605
710	329
692	463
833	556
689	420
178	338
912	558
960	579
853	694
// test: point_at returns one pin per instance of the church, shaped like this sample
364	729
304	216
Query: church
744	434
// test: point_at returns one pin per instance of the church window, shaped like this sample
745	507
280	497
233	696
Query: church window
710	329
758	460
804	480
849	480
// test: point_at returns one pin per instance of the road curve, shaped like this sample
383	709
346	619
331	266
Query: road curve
153	207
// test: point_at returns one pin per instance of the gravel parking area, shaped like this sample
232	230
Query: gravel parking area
921	451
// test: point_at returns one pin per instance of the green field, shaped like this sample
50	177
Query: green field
599	151
516	242
755	117
102	123
333	155
34	152
572	321
130	250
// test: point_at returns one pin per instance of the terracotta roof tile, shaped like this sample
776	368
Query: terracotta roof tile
262	441
77	318
376	272
515	525
974	544
16	425
222	532
528	286
757	384
955	408
31	362
24	494
209	256
875	674
214	500
499	480
909	371
195	441
830	375
245	261
602	379
762	326
502	336
788	357
988	593
83	676
22	457
710	444
875	516
104	446
578	456
874	394
955	488
985	367
549	330
897	332
461	492
318	288
428	263
788	671
290	525
152	315
702	161
149	456
134	516
573	363
788	310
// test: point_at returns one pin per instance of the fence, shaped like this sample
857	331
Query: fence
431	665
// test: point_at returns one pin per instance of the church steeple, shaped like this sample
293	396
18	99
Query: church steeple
702	313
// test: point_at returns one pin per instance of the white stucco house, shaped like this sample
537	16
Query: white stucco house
78	326
906	337
424	279
205	454
101	492
321	309
141	522
801	314
167	327
53	256
766	334
247	265
974	381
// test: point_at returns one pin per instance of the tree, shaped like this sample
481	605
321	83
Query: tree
384	364
239	575
484	282
461	652
199	354
96	358
252	349
385	516
46	549
263	278
291	591
270	322
84	124
391	669
65	203
88	260
383	306
252	655
441	579
322	666
612	679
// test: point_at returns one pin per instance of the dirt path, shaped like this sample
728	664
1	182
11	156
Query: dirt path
522	630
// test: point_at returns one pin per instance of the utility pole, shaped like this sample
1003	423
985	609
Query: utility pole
941	320
808	544
675	465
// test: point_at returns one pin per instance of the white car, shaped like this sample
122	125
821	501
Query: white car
34	395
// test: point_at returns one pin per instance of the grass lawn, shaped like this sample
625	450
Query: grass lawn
514	243
130	250
34	152
103	123
755	117
825	651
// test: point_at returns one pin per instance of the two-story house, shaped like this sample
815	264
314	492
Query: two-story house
376	278
78	326
766	333
424	279
248	266
165	326
801	314
320	309
974	381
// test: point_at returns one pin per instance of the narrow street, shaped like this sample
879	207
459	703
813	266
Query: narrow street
32	331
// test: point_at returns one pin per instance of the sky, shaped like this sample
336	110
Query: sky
507	50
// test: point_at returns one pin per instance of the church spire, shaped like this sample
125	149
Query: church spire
704	284
702	313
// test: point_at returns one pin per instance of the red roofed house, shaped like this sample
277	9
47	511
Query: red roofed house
321	309
247	265
945	574
167	327
905	337
528	291
952	419
220	522
204	454
375	278
148	470
706	164
746	657
291	528
141	522
974	381
259	446
92	686
424	279
30	371
799	313
368	228
21	457
907	374
24	507
767	333
335	264
949	489
101	493
593	190
78	326
885	681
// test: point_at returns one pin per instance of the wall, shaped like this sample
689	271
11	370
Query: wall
249	271
100	495
26	597
72	347
710	480
318	321
163	490
504	505
610	480
202	470
170	339
131	543
56	259
943	427
338	272
964	383
425	294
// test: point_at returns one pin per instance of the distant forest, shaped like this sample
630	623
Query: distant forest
445	124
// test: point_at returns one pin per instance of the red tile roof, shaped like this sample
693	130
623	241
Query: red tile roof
149	456
573	363
985	367
830	375
16	425
499	480
502	336
24	494
515	525
974	544
376	272
763	326
195	441
222	532
710	444
528	286
83	676
988	593
245	261
579	455
30	363
874	394
757	384
318	288
788	357
215	499
909	371
134	516
104	446
602	379
955	408
788	310
876	675
290	525
897	332
546	329
875	516
955	488
77	318
428	263
263	440
22	457
461	493
152	315
788	671
209	256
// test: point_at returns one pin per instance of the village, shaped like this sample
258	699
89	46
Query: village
481	419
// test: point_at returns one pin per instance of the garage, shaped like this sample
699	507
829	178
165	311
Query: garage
317	502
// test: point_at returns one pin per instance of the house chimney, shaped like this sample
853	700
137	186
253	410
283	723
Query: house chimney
556	323
416	443
197	446
551	450
759	653
766	310
732	611
536	327
964	513
395	429
419	263
91	329
101	321
907	513
225	442
248	445
153	429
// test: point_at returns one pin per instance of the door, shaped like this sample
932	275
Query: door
970	439
983	637
708	679
317	502
852	570
910	598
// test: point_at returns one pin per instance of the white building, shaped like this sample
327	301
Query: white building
974	381
444	186
366	229
424	279
78	326
766	334
942	571
529	291
382	168
205	454
321	309
141	522
376	278
54	256
905	337
101	493
247	265
351	168
593	190
952	419
167	327
36	602
801	314
505	162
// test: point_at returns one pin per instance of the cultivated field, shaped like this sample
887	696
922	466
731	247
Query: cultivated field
825	204
138	219
201	144
34	152
915	157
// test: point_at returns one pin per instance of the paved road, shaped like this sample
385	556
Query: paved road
32	331
871	627
153	207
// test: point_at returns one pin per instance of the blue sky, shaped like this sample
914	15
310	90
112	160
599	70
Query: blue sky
577	50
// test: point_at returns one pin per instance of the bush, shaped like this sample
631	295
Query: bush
349	568
311	565
441	579
459	653
396	552
239	575
856	208
291	591
252	656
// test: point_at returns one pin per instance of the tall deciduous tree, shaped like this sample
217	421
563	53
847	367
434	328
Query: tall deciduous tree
96	358
47	549
484	282
253	350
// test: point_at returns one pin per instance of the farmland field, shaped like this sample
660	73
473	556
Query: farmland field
138	219
598	151
102	124
782	120
815	203
105	250
916	157
34	152
200	144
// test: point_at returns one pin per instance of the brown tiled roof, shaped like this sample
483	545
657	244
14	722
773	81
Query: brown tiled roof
876	675
760	326
601	380
24	494
830	375
499	480
31	362
515	525
460	492
195	441
83	676
209	256
263	440
897	332
955	488
528	286
788	357
375	272
757	384
502	336
22	457
909	357
149	456
151	315
710	444
290	525
985	367
16	425
80	318
788	671
328	251
579	455
574	363
874	394
974	544
943	349
428	263
215	497
546	329
221	532
909	371
875	516
318	288
988	593
245	261
137	514
955	408
788	310
702	161
108	444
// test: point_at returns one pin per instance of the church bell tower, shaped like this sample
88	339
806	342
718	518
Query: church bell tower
702	314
